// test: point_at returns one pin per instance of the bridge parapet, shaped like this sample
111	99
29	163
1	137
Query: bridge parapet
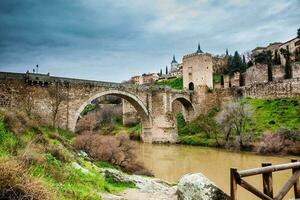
34	78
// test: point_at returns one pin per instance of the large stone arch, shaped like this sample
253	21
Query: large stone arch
189	110
135	101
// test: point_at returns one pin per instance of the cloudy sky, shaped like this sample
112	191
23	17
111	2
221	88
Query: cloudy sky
112	40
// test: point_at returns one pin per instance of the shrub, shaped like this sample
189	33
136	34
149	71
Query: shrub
16	183
18	122
117	150
281	142
233	119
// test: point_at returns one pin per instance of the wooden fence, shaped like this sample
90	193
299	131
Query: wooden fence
236	178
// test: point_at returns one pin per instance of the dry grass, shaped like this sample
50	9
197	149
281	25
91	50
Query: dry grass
16	184
18	122
118	150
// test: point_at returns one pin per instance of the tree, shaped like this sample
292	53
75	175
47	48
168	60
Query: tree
167	70
236	64
288	68
160	73
297	55
57	96
276	59
233	119
298	33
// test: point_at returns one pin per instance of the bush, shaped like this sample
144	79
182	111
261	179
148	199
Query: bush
117	150
19	122
16	183
281	142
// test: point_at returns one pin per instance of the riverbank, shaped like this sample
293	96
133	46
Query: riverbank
268	127
41	162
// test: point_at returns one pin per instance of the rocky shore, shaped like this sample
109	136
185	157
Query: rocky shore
190	187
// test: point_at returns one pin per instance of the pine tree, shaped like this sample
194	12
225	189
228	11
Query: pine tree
298	33
236	64
276	58
288	69
160	73
269	65
167	70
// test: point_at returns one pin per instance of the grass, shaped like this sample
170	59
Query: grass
271	115
174	83
46	150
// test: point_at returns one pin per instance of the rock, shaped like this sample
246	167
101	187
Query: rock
106	196
83	170
144	184
199	187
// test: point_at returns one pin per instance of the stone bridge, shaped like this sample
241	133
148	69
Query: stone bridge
60	101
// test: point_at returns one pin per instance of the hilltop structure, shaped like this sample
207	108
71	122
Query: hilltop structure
197	70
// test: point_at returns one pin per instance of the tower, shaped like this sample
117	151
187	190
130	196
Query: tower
174	65
197	70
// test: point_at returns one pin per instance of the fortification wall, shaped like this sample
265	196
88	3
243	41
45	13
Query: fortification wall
276	89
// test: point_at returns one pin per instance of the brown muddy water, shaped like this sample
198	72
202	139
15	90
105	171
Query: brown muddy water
170	162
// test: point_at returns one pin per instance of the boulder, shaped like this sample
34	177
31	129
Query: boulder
144	184
199	187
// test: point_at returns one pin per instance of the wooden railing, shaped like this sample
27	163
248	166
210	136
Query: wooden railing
236	178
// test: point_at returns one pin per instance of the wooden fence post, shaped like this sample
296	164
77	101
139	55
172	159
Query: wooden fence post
267	181
233	183
297	184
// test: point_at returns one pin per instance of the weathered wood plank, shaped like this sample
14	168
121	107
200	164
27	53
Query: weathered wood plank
289	184
297	184
262	170
267	181
233	184
254	191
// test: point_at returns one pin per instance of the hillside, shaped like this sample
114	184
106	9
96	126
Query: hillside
40	162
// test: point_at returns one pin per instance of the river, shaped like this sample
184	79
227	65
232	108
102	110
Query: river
170	162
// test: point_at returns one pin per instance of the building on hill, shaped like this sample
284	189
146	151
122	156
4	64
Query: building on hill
197	70
175	70
258	73
144	79
292	45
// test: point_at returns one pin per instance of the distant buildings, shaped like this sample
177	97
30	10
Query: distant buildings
203	69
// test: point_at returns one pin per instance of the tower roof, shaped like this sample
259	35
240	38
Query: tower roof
174	60
199	49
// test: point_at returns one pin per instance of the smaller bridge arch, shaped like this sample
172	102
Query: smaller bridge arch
135	101
189	110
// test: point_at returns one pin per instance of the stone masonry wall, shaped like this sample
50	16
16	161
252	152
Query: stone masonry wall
276	89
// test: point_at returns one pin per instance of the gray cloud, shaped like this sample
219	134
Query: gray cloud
115	39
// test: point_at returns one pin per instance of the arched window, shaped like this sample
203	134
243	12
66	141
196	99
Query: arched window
191	86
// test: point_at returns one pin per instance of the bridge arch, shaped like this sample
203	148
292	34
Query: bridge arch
189	110
134	100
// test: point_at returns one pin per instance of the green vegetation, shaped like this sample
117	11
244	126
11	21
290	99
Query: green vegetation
217	78
268	116
272	115
202	131
174	83
46	155
88	108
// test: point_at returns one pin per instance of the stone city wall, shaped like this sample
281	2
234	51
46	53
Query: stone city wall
277	89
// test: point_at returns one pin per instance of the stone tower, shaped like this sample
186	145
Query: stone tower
197	70
174	65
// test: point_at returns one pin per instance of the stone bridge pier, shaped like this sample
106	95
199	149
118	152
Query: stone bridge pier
59	101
